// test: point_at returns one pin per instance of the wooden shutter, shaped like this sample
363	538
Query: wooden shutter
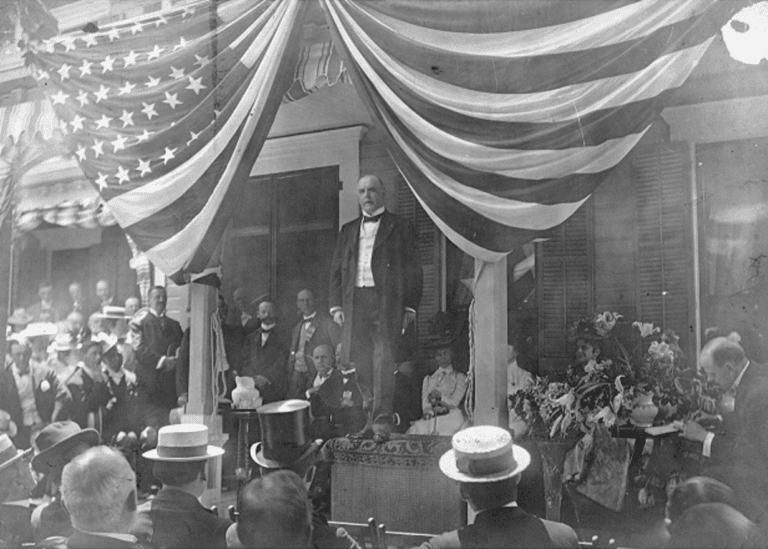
661	177
565	268
427	234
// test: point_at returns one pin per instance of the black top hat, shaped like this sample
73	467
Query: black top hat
284	434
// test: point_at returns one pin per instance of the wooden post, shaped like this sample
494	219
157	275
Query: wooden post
6	237
490	347
201	407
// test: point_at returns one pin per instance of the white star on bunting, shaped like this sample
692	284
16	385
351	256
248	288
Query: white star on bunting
101	181
82	97
106	65
152	82
171	100
177	73
192	137
119	143
144	136
101	95
103	122
195	84
188	12
122	175
113	35
64	71
201	60
90	40
127	88
155	53
59	98
137	27
77	123
127	118
98	147
130	59
181	44
168	155
85	68
161	21
81	153
69	43
149	110
143	168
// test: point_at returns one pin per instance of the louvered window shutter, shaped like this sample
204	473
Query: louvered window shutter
427	234
661	177
565	289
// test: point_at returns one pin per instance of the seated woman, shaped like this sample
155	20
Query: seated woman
441	394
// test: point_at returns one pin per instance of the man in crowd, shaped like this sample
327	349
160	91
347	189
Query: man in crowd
43	310
88	387
268	352
104	293
77	329
314	328
286	447
99	491
132	305
487	466
243	310
156	339
738	451
31	394
275	512
120	413
175	518
79	302
57	444
375	290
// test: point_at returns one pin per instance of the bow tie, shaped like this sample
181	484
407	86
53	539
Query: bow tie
372	218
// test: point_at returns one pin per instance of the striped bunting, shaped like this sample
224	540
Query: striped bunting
167	114
505	116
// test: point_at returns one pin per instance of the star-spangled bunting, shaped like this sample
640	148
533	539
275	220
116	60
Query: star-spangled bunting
166	115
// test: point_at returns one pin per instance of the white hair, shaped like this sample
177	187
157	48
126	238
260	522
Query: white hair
96	488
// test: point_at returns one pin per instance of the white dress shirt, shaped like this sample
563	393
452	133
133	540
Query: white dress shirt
368	231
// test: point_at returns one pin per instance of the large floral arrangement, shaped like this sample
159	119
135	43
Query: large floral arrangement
549	409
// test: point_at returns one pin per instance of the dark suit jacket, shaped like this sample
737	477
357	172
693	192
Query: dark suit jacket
327	403
153	338
175	519
397	275
45	400
269	361
325	331
745	442
85	540
506	527
88	396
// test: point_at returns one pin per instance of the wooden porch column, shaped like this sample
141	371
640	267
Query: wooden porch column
490	334
201	407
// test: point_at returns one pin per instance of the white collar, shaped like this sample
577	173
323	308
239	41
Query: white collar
151	310
511	504
377	212
268	326
310	317
130	538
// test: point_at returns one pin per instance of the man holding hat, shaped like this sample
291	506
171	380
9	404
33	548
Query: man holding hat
286	446
57	444
175	518
487	466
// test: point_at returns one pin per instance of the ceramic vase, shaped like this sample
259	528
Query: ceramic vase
644	411
245	396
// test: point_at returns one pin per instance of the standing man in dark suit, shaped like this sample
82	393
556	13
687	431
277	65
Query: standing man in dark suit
487	466
738	450
44	310
268	356
314	328
375	290
31	394
156	339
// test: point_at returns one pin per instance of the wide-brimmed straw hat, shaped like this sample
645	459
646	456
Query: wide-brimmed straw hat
8	452
19	317
57	438
7	425
483	454
113	312
185	442
39	329
284	434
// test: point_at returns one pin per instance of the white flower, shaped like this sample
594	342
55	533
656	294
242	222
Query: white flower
606	415
645	328
45	386
591	367
661	351
605	322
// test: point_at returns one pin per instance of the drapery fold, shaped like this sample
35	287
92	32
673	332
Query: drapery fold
503	117
167	115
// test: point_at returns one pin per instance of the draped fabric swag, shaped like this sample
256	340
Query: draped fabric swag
504	117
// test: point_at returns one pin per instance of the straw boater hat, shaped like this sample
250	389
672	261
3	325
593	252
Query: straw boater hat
483	454
19	317
284	434
39	329
113	312
185	442
57	438
8	452
7	425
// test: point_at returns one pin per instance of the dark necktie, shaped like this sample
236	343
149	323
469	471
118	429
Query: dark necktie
372	218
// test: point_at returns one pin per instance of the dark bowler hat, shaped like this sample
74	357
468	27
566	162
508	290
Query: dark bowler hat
56	438
284	434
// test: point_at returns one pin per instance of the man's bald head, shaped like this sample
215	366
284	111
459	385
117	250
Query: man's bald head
723	359
98	488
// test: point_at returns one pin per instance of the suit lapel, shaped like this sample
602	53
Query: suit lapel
385	229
